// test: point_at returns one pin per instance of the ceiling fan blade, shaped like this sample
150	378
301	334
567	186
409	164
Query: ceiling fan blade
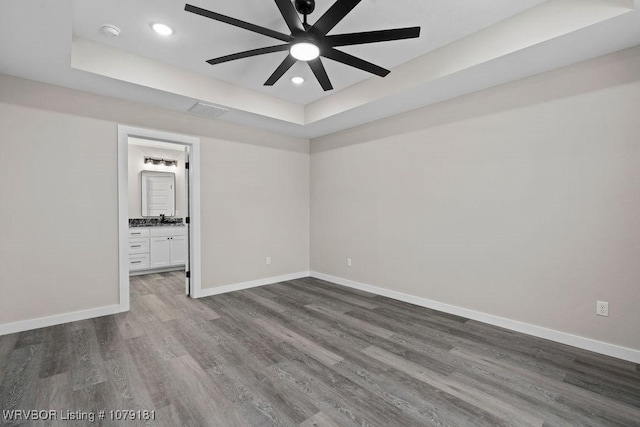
290	15
320	73
355	62
248	53
374	36
335	14
279	72
237	23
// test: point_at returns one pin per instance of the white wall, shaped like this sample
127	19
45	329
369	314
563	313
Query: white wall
137	153
58	192
522	201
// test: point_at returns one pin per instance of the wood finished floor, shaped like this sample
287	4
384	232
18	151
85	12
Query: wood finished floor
309	353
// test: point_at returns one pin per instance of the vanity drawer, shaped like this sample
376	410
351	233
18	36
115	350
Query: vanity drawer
167	231
138	261
138	246
137	232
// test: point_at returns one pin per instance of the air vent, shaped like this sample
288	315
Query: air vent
207	110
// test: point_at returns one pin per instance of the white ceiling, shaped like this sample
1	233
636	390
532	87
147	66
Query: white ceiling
465	46
198	39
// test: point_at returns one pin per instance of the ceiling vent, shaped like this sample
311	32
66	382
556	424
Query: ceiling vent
207	110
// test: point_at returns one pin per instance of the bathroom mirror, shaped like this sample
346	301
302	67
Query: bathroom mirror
158	193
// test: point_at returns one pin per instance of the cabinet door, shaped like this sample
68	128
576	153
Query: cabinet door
160	252
178	250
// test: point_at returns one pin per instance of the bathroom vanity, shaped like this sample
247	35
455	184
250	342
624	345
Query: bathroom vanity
157	248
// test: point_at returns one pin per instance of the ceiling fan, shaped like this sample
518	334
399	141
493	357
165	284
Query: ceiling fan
310	42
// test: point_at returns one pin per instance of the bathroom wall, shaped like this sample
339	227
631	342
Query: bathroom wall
137	153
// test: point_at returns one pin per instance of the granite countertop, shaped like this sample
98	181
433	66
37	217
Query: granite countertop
155	222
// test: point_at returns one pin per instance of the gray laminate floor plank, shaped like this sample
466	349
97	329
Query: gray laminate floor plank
337	288
351	321
127	384
407	401
19	388
265	302
333	387
130	323
54	392
259	401
152	370
283	333
349	340
159	309
311	353
7	345
319	419
333	301
458	337
56	350
189	379
91	400
203	347
87	364
341	296
251	347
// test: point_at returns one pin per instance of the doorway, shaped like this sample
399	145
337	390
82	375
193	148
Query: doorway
179	219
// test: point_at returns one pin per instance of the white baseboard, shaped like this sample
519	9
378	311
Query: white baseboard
155	270
607	349
43	322
207	292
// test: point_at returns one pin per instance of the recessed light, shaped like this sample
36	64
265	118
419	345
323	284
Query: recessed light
163	30
110	30
297	80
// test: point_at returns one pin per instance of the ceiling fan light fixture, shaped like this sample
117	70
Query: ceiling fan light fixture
297	80
307	42
305	51
162	29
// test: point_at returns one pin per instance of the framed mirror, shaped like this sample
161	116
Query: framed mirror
158	193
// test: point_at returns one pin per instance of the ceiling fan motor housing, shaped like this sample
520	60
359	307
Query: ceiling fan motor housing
305	7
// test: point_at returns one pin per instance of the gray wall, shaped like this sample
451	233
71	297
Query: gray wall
58	192
521	201
58	186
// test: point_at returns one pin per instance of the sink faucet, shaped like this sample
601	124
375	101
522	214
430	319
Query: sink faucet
161	217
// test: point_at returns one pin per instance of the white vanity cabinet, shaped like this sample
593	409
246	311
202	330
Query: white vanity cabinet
153	248
167	247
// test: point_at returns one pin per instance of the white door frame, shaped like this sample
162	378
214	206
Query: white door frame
124	132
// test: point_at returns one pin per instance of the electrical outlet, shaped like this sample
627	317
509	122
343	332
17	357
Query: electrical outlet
602	308
348	262
268	260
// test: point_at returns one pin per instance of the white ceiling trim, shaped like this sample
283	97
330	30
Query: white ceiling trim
117	64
